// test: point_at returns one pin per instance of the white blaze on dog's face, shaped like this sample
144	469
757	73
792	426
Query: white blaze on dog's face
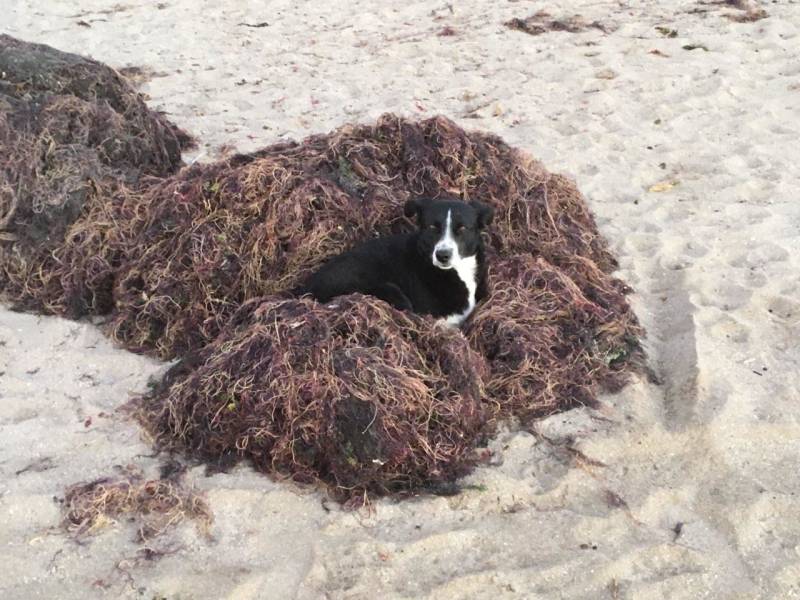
446	253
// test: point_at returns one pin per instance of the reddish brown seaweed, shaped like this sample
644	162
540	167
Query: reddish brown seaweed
72	131
200	264
354	393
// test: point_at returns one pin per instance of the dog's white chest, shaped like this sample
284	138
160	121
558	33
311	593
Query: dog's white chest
467	271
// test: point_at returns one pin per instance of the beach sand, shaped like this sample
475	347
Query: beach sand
690	160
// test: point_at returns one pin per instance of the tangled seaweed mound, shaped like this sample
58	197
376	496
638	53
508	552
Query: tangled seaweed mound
355	393
71	131
155	504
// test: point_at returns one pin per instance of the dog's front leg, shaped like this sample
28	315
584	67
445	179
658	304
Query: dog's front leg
391	293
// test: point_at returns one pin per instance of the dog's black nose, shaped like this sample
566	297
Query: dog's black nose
444	256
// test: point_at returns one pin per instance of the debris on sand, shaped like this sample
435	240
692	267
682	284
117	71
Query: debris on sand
749	15
154	504
542	22
749	10
667	31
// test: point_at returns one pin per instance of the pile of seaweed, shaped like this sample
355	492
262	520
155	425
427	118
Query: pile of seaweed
200	265
154	504
213	253
72	131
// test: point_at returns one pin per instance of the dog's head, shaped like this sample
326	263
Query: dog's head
449	230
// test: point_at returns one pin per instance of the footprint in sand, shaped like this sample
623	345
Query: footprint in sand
725	295
728	328
784	308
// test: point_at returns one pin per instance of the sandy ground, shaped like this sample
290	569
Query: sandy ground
691	489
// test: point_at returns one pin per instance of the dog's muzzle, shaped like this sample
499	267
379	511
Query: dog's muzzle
442	257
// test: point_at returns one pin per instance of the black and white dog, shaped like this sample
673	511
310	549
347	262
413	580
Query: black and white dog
438	270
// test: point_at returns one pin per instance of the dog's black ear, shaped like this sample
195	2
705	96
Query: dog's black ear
485	213
412	208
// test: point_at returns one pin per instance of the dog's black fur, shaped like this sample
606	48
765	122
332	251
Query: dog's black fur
401	269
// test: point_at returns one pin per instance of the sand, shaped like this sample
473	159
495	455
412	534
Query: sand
689	159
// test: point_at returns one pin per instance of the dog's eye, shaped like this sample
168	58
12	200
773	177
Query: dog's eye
433	227
459	228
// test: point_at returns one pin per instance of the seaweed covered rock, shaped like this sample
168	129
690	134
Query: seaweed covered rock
199	244
549	344
72	131
353	393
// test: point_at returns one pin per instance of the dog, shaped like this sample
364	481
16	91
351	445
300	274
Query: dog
438	270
